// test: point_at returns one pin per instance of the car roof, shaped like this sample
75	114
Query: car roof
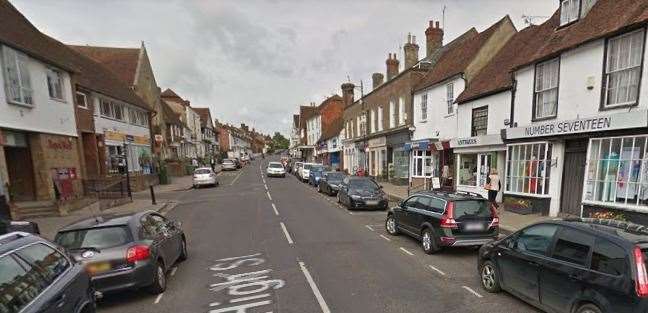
203	168
275	163
451	195
619	231
105	221
15	240
334	172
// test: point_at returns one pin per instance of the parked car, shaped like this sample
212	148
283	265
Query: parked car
36	276
361	193
315	174
330	182
297	169
275	169
305	171
204	176
238	162
229	165
9	226
574	265
123	252
444	219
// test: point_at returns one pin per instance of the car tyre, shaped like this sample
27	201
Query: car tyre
390	225
159	280
184	254
588	308
489	277
428	242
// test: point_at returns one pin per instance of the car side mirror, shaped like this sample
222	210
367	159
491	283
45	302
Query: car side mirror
401	204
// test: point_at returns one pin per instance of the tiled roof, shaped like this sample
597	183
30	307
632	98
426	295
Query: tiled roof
16	31
168	93
121	61
332	129
456	59
204	114
170	116
306	112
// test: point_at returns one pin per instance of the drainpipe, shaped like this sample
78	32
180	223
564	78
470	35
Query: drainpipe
513	90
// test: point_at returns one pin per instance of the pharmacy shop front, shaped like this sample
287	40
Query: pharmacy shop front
476	158
590	167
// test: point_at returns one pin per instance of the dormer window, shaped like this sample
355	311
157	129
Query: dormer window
586	6
569	11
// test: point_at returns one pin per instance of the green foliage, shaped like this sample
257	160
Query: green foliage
279	142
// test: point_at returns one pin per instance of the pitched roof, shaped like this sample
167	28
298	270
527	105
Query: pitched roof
168	93
605	18
496	75
306	112
204	114
456	59
16	31
121	61
170	116
332	129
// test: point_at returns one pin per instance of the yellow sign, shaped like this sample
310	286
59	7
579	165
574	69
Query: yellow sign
117	136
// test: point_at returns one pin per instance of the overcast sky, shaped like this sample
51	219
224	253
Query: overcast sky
256	61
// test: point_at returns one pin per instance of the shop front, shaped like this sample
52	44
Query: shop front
430	159
377	152
398	157
136	149
476	158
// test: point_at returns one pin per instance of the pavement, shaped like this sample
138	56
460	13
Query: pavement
260	244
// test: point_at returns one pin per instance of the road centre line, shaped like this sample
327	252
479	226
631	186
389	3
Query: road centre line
472	291
269	197
385	237
236	178
275	209
159	297
436	270
406	251
316	292
285	231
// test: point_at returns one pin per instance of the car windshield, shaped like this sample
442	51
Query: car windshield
98	238
275	165
202	171
307	166
471	209
363	184
335	177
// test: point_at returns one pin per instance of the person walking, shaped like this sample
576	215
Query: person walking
493	185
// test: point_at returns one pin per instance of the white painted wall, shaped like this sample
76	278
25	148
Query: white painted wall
438	121
103	124
46	115
314	129
499	108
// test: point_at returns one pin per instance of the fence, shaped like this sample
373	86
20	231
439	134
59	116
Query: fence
106	188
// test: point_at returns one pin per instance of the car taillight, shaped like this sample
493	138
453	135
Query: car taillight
447	220
641	283
137	253
495	221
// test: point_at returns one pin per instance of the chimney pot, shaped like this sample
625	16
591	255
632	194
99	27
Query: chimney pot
436	24
392	66
431	23
377	79
434	38
347	93
410	50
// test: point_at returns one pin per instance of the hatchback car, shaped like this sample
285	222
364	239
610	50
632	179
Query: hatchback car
442	219
361	193
124	252
315	174
575	266
275	169
204	176
229	165
37	276
330	182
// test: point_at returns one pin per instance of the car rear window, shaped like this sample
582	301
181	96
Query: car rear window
98	238
202	171
275	165
471	208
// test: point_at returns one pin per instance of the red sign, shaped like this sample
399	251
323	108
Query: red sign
61	144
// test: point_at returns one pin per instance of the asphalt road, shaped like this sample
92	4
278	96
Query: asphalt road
261	244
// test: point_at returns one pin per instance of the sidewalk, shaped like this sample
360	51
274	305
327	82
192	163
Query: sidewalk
509	222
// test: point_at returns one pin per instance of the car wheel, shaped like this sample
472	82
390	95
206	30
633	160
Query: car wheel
489	277
184	255
588	308
159	281
390	225
428	242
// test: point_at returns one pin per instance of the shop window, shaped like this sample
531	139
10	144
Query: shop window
479	121
115	157
424	163
617	171
528	168
468	170
401	163
622	69
546	89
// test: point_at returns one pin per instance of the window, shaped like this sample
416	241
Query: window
82	100
100	238
569	10
55	84
617	171
392	114
437	205
536	239
468	170
105	108
17	81
374	121
50	262
586	6
401	111
424	163
450	97
609	258
528	168
19	284
118	111
546	89
424	107
573	246
380	118
479	121
622	69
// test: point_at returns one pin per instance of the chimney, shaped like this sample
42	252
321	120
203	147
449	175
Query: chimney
411	51
434	38
377	79
347	93
392	66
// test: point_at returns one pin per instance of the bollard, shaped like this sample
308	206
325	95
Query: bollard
152	195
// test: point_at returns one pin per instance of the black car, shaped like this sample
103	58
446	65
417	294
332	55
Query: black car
440	219
330	182
37	276
361	193
122	252
575	266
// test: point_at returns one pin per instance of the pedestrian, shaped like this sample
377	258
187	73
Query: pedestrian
493	185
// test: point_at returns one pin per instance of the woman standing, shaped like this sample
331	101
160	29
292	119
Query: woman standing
493	185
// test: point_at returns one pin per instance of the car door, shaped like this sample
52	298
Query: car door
157	235
406	220
420	213
343	193
563	275
519	260
171	240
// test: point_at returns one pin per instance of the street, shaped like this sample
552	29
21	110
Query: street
260	244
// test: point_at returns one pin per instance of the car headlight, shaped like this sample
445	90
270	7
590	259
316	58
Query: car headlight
317	178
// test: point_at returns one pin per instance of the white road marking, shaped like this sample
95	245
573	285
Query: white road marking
159	297
318	294
285	230
239	257
266	186
173	270
385	237
369	227
250	298
269	197
437	270
236	178
472	291
275	209
351	213
406	251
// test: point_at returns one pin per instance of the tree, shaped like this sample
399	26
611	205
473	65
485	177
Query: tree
279	142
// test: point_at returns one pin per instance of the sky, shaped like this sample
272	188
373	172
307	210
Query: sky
257	61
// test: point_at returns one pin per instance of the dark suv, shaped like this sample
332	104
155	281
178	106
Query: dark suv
441	219
573	265
37	276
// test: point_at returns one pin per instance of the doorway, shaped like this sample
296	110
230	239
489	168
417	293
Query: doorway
21	173
573	176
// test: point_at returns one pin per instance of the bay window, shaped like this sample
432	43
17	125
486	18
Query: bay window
622	69
17	80
546	89
528	168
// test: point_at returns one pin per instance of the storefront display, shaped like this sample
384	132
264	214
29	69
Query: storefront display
528	168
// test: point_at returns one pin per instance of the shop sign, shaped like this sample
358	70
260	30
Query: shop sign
487	140
377	142
617	121
120	137
417	145
60	144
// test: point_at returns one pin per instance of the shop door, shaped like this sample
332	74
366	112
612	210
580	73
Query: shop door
484	169
21	173
573	175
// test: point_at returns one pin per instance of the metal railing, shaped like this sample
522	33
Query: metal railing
106	188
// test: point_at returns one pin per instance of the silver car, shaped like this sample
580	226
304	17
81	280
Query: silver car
275	169
229	165
204	176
